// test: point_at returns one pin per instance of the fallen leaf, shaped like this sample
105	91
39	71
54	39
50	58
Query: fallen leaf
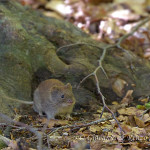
130	111
128	98
134	147
139	122
95	129
126	128
131	121
58	6
141	132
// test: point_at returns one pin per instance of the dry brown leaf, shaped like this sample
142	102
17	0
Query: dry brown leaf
58	6
146	118
144	100
56	140
86	133
96	116
96	145
100	109
131	121
115	103
130	111
82	129
122	118
128	98
95	129
141	132
134	147
118	86
139	122
144	145
126	128
106	115
147	128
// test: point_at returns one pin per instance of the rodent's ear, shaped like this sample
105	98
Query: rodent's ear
68	85
54	88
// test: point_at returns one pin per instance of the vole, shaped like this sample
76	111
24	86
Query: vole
53	98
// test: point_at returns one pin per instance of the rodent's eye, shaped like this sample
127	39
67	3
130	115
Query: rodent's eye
62	96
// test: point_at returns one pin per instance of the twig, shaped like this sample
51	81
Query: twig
134	30
17	128
75	44
43	132
102	57
27	127
80	126
84	79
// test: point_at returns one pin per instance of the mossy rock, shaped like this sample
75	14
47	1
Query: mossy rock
28	55
2	144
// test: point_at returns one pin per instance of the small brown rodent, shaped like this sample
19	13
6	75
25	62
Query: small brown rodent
53	98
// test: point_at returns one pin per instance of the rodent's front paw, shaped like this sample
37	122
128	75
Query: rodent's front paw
68	117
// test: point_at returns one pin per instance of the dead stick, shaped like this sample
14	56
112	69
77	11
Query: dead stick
80	126
102	57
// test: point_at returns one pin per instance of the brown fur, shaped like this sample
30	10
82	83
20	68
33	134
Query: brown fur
53	98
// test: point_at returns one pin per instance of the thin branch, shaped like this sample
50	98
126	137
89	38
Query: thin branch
75	44
79	126
84	79
100	66
133	30
102	57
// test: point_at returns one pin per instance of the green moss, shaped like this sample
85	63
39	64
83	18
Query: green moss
2	144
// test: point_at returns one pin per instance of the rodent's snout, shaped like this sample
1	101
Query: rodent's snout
70	101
